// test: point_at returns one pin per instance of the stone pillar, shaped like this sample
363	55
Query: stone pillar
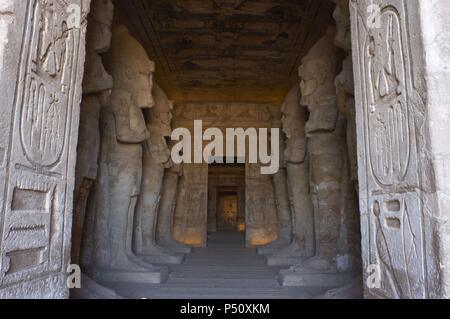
302	245
123	132
166	210
97	85
156	159
42	53
212	205
400	59
191	212
261	214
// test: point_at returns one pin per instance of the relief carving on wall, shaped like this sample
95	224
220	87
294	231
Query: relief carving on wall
261	214
41	163
191	211
48	85
224	115
392	229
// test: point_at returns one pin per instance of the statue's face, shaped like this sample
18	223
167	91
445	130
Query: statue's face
102	12
159	149
96	79
287	120
140	75
166	119
342	17
160	133
295	142
308	82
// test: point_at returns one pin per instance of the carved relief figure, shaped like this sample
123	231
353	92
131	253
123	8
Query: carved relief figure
261	214
191	211
341	15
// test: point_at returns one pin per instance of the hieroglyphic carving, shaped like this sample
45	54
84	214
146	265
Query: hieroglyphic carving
47	82
388	116
388	120
191	211
225	115
37	212
261	214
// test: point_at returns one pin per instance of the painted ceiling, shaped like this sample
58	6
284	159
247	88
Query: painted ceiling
226	50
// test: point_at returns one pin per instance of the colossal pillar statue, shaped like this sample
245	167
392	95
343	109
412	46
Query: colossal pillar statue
156	159
326	143
123	132
42	52
302	245
97	85
325	146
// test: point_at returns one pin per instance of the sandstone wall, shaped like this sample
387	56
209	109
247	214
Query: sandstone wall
261	222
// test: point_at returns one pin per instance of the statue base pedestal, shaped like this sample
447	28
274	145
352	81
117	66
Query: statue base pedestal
291	278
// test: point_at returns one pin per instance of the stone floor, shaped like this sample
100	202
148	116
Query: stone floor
225	269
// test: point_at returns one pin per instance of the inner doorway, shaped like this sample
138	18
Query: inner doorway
227	211
226	198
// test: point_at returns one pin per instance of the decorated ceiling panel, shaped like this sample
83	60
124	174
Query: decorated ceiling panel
226	50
